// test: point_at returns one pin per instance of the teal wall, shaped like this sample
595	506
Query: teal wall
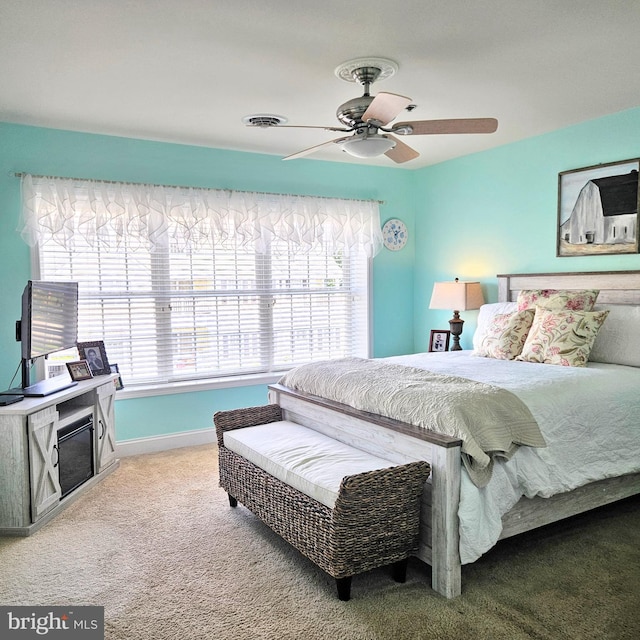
496	212
63	153
473	217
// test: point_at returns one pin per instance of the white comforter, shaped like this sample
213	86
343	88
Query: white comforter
589	417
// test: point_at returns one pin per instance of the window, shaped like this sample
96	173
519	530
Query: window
170	313
207	313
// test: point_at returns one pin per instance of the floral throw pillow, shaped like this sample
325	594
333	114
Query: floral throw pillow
578	300
562	337
505	335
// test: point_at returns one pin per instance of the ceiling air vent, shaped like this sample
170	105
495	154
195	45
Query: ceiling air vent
264	120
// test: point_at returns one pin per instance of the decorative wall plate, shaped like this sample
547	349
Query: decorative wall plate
394	234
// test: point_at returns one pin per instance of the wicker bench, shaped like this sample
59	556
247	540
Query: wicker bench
374	521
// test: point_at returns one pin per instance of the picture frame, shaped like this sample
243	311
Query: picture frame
439	340
598	209
118	381
79	370
96	356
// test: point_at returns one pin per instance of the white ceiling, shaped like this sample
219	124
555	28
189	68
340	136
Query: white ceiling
187	71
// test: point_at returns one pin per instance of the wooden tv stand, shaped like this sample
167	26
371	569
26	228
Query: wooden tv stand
30	493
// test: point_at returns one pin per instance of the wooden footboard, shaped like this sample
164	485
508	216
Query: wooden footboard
398	442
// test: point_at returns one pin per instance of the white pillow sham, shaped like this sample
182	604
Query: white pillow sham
618	341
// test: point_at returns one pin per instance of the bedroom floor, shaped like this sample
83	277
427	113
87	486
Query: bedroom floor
157	544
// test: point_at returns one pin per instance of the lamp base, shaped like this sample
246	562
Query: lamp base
455	325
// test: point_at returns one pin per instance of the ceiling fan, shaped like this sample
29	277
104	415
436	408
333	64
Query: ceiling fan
368	118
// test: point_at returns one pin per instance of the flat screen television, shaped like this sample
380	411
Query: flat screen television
49	323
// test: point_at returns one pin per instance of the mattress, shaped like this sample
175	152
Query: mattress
589	417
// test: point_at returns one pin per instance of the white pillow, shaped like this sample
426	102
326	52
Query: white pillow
486	314
618	341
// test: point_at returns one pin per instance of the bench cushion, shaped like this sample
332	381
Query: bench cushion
301	457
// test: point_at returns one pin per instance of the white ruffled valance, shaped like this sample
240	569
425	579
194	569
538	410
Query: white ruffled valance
74	213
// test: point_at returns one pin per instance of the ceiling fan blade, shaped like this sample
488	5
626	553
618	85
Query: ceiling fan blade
385	107
435	127
401	152
309	150
301	126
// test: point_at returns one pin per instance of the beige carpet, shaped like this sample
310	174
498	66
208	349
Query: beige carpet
158	546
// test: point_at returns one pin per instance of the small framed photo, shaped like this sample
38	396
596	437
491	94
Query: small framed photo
79	370
439	340
94	353
118	380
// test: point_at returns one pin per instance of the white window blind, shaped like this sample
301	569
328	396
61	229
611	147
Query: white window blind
169	313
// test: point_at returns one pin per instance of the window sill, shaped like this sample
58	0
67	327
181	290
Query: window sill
193	386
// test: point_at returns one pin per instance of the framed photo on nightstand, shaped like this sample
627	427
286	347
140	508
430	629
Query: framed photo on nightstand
439	340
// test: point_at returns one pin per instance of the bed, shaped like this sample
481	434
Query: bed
590	455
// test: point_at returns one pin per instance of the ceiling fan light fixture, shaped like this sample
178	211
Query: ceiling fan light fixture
368	147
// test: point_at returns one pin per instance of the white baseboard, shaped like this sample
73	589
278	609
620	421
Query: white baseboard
137	446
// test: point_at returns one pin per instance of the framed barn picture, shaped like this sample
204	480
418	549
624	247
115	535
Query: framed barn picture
598	209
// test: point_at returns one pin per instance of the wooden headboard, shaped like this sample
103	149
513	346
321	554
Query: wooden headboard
616	287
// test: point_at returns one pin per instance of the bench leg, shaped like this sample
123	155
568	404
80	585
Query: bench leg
344	588
399	570
232	501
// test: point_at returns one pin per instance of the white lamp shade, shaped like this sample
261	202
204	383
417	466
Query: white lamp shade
456	296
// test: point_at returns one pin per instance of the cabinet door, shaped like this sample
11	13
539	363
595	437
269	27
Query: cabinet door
43	461
105	434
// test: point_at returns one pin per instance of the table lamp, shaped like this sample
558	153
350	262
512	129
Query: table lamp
459	296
